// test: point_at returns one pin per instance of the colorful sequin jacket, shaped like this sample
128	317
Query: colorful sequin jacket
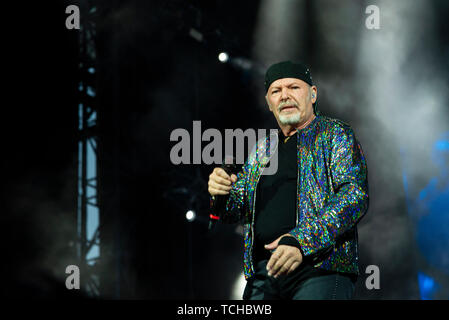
332	194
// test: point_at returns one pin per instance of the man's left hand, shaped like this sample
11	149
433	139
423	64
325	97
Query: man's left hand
284	259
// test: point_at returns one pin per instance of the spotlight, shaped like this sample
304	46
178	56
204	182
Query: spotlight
223	57
190	215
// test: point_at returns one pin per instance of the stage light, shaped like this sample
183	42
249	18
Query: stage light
195	34
190	215
223	57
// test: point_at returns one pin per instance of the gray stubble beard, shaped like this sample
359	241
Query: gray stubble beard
290	119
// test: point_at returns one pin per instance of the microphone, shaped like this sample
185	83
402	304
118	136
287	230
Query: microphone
220	200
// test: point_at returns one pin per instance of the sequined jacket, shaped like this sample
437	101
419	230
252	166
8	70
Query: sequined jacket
332	194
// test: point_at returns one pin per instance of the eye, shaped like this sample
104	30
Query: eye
295	87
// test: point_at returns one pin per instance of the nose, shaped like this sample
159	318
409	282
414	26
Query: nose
284	95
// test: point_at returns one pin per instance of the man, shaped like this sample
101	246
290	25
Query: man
300	230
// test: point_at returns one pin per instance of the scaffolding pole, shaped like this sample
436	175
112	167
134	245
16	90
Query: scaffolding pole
88	216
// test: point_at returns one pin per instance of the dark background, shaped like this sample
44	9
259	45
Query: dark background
152	77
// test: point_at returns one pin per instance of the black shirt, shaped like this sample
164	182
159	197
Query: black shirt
276	198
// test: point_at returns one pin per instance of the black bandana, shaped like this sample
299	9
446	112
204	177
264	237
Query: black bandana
287	69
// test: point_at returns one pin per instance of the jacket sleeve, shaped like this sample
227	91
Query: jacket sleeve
342	210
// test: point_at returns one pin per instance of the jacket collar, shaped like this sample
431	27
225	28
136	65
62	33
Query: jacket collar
303	130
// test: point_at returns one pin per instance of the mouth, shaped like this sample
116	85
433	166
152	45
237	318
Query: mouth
288	108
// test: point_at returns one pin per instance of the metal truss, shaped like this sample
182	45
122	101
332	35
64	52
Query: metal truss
88	215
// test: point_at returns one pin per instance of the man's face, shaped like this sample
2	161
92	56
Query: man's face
291	101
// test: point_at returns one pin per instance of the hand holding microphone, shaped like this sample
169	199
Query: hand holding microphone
219	185
220	181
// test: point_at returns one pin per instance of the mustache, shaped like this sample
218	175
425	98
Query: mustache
284	104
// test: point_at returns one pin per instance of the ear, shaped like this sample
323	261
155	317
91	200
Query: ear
313	93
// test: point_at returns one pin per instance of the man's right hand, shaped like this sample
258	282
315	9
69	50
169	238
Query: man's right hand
220	182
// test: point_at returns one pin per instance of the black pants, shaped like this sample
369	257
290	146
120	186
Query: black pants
301	284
